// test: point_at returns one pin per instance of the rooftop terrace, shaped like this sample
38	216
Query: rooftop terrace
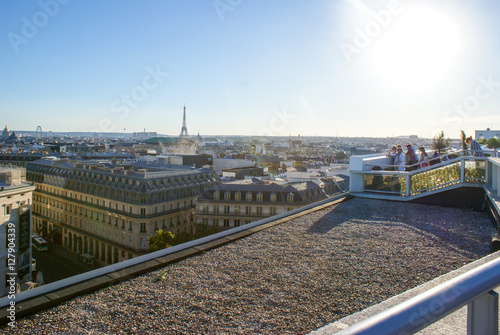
294	277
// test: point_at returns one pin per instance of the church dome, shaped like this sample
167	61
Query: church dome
6	132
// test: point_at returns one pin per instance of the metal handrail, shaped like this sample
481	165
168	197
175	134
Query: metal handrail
419	312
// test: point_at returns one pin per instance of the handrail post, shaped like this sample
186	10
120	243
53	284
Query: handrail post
482	315
408	185
462	170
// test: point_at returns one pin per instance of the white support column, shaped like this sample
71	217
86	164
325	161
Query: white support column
408	185
462	170
482	315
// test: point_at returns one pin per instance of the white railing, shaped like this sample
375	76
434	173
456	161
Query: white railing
369	174
474	289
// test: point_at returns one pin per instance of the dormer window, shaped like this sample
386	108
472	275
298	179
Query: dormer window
289	197
237	196
249	196
216	195
259	196
273	197
227	195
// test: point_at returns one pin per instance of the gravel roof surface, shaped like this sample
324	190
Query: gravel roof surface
292	278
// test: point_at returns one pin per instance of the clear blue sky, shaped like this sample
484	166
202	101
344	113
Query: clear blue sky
320	67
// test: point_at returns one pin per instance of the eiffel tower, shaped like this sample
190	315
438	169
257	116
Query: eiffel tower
184	129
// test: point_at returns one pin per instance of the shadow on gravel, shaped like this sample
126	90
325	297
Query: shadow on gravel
438	225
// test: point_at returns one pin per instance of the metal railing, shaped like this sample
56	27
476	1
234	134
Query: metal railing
473	288
459	167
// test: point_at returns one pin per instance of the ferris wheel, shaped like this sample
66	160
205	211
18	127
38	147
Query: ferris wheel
39	132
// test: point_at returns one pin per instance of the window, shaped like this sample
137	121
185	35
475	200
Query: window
227	196
289	197
143	227
226	209
237	210
249	196
237	223
226	223
259	196
216	209
259	210
8	209
143	211
216	222
273	197
216	195
237	196
205	209
248	210
272	210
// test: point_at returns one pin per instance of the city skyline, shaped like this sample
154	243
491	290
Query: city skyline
327	68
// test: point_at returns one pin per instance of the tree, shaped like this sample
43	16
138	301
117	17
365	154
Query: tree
493	143
463	137
181	237
160	240
439	142
203	230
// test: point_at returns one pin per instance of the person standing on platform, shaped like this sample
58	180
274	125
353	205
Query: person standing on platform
474	147
412	158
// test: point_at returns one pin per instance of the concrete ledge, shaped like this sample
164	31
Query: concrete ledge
213	244
79	289
26	308
175	257
136	270
357	317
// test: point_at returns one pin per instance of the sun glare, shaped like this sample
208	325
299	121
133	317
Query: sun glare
421	47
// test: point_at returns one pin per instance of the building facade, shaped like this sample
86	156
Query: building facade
15	229
108	211
487	134
225	206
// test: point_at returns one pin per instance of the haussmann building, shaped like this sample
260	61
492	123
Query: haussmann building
108	211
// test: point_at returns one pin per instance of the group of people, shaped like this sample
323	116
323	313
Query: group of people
408	160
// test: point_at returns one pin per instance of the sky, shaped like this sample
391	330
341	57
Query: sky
273	68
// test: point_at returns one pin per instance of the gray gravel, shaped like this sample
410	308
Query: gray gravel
290	279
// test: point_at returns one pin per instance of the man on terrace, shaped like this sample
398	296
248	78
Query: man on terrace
474	147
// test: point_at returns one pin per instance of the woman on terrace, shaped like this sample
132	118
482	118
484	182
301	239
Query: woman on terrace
399	160
423	158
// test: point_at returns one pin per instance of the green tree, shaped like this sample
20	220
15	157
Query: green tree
181	237
493	143
439	142
463	137
160	240
203	230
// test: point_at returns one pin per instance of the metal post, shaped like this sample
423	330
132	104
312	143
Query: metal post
408	185
462	170
482	315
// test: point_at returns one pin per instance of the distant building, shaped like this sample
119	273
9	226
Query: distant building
225	206
5	133
241	173
108	211
487	134
15	228
144	135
